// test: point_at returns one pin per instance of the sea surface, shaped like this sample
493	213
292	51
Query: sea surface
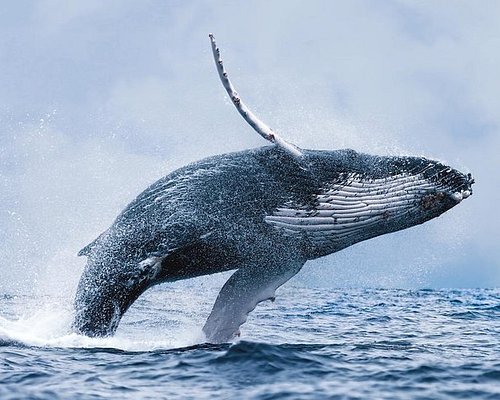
308	344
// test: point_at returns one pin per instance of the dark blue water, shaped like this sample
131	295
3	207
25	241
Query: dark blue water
310	343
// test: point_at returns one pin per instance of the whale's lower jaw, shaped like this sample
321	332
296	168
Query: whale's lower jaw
362	208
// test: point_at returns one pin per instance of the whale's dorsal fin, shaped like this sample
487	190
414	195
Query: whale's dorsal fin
88	249
260	127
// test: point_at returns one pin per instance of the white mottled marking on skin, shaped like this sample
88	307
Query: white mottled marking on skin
457	196
148	269
462	195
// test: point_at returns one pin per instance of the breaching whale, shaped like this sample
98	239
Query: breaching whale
262	212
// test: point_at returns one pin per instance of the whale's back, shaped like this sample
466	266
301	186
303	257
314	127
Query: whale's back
231	192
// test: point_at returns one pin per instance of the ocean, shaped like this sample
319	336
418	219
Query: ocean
308	344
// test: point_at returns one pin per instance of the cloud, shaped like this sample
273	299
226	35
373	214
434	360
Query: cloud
56	14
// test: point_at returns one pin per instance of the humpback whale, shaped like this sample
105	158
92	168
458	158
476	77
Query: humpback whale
262	212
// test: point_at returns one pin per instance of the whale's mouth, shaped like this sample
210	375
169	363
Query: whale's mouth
462	186
453	187
432	200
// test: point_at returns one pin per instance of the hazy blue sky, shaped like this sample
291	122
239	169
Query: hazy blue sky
100	98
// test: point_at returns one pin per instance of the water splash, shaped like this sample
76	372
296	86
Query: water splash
46	322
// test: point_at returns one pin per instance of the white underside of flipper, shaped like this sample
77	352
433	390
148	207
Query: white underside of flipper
246	288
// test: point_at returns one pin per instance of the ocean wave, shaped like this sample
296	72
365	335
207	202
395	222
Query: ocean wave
361	344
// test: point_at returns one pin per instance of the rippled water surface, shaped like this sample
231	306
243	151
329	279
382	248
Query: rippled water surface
310	343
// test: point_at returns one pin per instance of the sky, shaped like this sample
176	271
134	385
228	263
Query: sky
100	99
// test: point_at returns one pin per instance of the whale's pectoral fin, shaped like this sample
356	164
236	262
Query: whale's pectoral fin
260	127
246	288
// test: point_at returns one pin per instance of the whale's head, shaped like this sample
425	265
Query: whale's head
358	196
413	190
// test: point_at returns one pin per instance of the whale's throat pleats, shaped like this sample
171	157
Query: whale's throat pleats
351	211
